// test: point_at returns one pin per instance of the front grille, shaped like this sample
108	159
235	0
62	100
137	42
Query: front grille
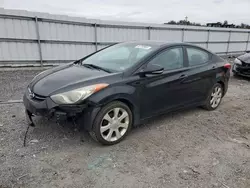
35	96
39	97
245	65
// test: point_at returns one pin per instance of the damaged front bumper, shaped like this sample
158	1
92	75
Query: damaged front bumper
29	118
47	108
243	70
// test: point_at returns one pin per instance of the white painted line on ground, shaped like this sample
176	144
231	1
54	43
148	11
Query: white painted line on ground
11	101
4	69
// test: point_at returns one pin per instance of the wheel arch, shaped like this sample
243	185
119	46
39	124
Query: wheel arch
122	97
133	106
223	86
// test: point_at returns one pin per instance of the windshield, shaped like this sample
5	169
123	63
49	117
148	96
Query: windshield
119	57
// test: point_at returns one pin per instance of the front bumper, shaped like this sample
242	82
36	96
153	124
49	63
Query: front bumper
84	114
48	108
241	70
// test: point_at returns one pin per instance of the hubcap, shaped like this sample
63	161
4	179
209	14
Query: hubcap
216	97
114	124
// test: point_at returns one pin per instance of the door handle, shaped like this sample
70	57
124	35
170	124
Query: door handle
214	67
183	76
137	82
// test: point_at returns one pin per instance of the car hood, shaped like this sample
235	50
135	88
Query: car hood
245	58
64	78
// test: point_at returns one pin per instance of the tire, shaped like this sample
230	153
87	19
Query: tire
212	105
110	123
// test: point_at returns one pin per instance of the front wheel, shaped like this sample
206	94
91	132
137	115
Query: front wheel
214	98
112	123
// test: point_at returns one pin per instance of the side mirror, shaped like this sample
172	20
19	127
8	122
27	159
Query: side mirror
152	69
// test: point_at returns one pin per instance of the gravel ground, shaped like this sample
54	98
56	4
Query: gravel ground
192	148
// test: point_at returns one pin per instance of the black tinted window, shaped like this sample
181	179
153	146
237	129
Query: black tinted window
170	59
196	56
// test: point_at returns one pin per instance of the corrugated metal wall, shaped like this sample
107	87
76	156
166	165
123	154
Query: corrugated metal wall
28	38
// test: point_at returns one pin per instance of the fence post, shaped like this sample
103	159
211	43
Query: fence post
95	37
149	33
208	37
39	42
248	40
183	32
228	41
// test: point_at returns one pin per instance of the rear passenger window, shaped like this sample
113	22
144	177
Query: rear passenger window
196	56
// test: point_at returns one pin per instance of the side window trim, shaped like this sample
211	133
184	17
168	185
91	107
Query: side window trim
166	49
199	65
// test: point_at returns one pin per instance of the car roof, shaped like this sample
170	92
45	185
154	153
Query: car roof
159	43
147	42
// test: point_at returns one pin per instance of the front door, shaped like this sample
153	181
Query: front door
167	90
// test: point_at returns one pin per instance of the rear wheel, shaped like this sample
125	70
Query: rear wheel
214	98
112	123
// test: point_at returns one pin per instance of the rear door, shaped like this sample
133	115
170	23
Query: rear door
201	73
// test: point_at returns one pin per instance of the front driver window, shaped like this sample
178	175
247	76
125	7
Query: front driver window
169	59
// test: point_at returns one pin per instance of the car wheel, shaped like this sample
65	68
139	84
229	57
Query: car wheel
112	123
214	98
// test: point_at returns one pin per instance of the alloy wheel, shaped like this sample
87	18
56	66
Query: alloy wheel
114	124
216	97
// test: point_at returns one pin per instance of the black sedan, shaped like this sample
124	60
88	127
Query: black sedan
121	86
242	65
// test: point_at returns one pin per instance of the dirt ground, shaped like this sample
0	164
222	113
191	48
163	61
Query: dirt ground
192	148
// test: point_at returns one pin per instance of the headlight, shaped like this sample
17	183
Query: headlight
77	95
237	61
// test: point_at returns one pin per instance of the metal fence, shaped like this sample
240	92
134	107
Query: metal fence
28	38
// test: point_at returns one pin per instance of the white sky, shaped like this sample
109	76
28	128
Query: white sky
153	11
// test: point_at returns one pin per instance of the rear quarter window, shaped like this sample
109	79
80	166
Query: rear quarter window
197	56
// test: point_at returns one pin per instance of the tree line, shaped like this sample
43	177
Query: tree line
215	24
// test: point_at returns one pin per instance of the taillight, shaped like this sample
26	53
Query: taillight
227	66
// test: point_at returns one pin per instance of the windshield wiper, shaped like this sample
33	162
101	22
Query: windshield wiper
96	67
